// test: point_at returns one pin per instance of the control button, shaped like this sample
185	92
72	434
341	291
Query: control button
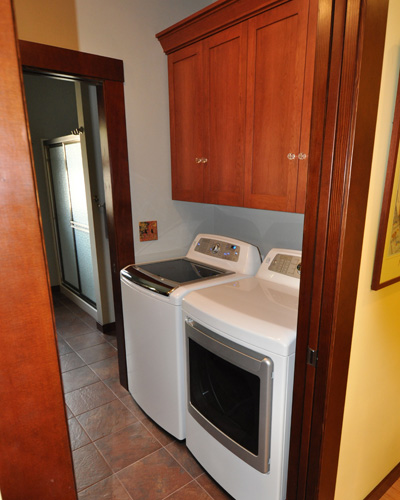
216	248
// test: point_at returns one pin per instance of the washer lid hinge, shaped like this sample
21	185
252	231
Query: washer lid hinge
312	357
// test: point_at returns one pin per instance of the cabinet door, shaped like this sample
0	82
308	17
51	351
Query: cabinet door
277	51
225	89
186	123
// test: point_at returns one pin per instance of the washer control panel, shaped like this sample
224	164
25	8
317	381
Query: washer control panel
289	265
217	248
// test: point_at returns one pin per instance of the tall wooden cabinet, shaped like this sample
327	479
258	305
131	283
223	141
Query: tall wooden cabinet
240	80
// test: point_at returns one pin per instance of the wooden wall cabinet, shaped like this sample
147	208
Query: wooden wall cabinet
240	81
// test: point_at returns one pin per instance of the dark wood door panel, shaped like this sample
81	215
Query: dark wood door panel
35	456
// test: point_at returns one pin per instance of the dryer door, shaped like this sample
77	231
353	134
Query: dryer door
230	393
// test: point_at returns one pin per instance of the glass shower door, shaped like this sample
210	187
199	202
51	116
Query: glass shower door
64	159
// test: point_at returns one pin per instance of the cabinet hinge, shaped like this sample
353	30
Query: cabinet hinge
312	357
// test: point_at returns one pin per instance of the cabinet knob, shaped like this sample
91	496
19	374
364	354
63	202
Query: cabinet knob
301	156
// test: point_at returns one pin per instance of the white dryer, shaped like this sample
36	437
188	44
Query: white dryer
152	296
240	350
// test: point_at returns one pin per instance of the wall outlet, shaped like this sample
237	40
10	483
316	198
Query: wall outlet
148	230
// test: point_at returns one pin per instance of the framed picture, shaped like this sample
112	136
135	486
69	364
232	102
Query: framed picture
387	257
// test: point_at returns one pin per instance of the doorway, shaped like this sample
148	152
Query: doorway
107	75
69	174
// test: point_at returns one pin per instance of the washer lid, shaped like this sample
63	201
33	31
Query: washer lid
165	276
253	310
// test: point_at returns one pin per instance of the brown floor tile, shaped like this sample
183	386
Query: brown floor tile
108	489
97	353
131	404
154	477
63	317
69	412
70	361
77	435
159	433
73	329
88	397
63	347
124	447
110	337
183	456
163	436
191	491
84	341
113	341
89	466
80	377
116	387
91	322
76	310
106	419
107	368
212	488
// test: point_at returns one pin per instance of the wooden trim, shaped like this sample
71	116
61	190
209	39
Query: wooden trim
35	454
208	21
386	483
118	198
106	328
114	151
349	58
55	60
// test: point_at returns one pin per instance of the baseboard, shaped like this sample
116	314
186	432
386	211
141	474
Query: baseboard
385	484
107	328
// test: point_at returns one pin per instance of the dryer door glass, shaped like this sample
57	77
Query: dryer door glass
226	395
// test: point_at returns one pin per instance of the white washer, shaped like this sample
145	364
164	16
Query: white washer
152	296
240	351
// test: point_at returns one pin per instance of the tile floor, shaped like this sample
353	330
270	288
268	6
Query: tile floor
118	452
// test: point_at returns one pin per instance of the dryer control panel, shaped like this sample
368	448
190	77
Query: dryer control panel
289	265
281	266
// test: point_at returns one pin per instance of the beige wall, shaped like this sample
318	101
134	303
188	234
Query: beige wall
52	22
370	446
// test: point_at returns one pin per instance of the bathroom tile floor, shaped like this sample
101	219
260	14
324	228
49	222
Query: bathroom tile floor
118	452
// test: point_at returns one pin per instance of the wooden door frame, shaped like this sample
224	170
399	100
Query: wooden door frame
108	74
349	55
